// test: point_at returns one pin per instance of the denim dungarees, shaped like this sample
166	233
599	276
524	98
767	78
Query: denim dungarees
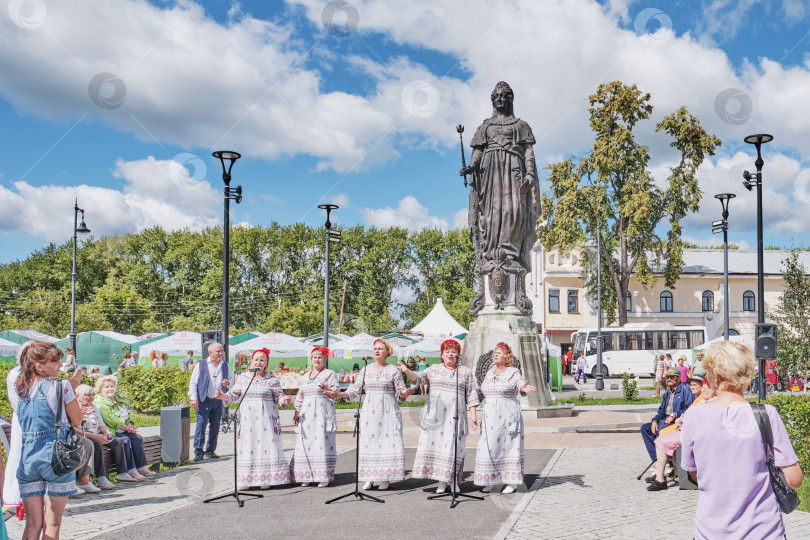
38	424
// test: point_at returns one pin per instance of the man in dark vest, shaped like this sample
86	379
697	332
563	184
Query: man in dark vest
210	375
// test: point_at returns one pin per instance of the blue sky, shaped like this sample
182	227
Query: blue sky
120	104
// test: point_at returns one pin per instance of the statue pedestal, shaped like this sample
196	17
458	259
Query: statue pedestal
492	326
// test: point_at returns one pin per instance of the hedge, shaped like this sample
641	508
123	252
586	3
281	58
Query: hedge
795	413
148	390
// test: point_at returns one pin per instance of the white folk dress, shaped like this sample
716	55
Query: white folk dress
499	459
382	453
434	456
315	450
261	454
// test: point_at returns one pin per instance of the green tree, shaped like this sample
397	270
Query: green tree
792	314
610	196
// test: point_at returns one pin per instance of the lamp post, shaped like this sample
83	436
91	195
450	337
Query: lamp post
230	194
758	140
722	226
600	382
77	228
331	236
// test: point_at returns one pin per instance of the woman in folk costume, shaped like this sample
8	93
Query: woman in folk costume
261	460
434	456
382	453
315	450
499	458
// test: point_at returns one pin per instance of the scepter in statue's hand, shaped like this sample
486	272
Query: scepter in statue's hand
464	169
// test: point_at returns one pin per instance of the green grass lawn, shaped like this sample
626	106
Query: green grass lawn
804	495
582	400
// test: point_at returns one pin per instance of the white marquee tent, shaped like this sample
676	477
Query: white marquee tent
430	348
439	323
358	346
176	345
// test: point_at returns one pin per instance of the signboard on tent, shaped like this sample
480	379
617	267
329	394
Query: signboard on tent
176	345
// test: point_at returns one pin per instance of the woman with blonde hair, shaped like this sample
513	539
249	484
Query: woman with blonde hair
153	358
499	458
723	449
434	455
382	452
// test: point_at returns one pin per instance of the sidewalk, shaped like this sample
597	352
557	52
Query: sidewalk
597	492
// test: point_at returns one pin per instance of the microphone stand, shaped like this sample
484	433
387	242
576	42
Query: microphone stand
454	493
357	493
236	493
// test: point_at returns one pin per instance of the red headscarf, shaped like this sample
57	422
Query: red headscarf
447	342
265	350
323	350
505	347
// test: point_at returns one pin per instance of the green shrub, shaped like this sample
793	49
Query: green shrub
5	404
795	413
147	390
629	387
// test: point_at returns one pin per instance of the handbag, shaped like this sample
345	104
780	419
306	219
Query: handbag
786	496
68	452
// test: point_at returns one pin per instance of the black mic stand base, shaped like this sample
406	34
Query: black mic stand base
455	494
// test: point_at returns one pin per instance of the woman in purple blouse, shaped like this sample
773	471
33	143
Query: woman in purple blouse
723	450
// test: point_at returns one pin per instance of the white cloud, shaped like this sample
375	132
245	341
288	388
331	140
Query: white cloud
460	219
410	214
149	197
340	199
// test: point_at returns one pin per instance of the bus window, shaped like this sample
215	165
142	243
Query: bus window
681	341
632	341
647	341
659	340
618	341
696	337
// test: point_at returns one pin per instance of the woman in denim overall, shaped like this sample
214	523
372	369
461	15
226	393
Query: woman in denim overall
39	362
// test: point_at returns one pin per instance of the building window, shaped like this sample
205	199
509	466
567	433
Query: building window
629	302
573	301
707	301
749	301
553	301
666	301
551	259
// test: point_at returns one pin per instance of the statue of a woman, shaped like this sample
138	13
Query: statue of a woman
504	202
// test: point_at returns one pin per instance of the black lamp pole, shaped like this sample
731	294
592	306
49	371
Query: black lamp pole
600	382
331	236
77	228
758	140
717	226
230	194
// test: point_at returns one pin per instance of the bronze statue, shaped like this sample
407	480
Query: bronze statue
504	203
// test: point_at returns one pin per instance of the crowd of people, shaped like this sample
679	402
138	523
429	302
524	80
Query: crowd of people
722	445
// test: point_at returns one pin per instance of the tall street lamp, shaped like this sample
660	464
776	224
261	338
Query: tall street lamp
600	382
758	140
331	236
77	228
722	226
230	194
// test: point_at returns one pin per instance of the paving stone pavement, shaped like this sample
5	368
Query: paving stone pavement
592	493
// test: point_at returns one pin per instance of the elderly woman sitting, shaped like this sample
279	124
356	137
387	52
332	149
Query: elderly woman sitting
115	417
97	432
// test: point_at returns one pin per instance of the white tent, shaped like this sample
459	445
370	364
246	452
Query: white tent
429	347
126	338
176	344
554	350
734	339
439	323
280	345
8	348
358	346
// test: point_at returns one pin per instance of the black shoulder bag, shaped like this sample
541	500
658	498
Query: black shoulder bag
68	454
786	496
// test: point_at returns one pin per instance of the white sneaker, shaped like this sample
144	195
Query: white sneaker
382	486
323	484
487	489
442	487
79	492
125	477
89	488
304	484
104	483
367	485
509	489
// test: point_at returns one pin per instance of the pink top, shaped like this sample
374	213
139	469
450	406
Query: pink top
684	372
724	446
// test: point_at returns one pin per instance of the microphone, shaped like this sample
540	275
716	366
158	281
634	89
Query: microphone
255	370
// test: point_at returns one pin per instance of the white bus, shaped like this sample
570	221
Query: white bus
631	348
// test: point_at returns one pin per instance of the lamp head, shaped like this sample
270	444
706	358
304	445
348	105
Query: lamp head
328	208
222	155
82	228
758	139
724	199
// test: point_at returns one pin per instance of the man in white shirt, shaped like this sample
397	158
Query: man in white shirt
209	375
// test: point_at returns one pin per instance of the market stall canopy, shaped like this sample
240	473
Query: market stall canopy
283	348
175	344
241	338
734	339
21	336
317	339
429	348
8	351
439	323
359	346
400	340
554	350
104	349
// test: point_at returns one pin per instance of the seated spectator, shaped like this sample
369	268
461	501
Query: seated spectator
83	483
115	416
676	400
670	437
96	430
94	373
